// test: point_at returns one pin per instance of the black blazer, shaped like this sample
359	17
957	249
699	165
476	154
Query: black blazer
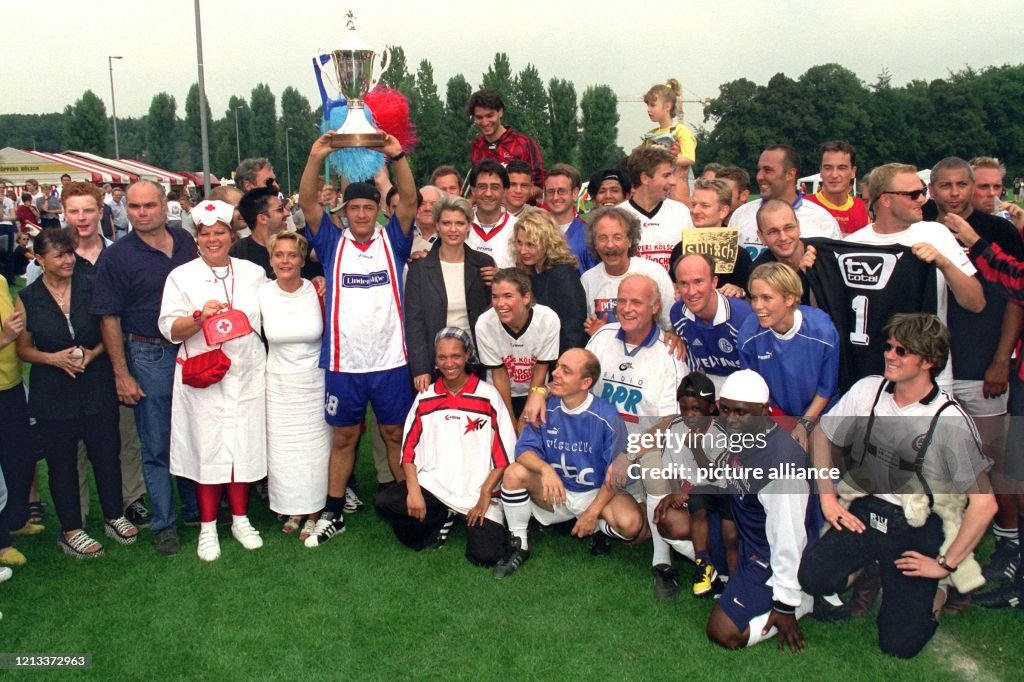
426	303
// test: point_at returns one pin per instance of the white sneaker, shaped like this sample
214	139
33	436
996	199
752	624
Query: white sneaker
326	528
5	573
246	535
209	545
352	501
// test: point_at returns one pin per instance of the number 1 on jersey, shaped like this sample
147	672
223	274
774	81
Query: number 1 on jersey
859	336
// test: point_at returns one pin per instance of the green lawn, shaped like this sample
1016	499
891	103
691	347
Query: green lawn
364	607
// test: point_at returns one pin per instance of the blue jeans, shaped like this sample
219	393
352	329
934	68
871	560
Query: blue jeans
152	365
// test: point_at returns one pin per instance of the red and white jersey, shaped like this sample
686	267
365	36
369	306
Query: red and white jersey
602	289
498	346
364	330
494	240
456	441
661	230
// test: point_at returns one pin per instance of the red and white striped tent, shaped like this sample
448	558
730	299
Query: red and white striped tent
143	170
19	165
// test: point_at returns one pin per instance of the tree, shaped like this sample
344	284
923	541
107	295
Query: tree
264	124
397	75
460	128
564	122
160	131
86	127
598	149
301	126
530	102
429	119
193	129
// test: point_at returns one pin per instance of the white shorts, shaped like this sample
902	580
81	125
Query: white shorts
971	397
575	505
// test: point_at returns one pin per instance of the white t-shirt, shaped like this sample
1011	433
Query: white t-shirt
8	208
537	342
639	381
661	230
494	240
294	325
602	289
814	222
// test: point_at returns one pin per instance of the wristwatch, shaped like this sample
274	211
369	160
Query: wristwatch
941	561
808	424
397	157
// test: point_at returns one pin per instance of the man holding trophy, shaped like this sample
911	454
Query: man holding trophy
363	347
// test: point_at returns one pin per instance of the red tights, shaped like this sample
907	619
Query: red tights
208	495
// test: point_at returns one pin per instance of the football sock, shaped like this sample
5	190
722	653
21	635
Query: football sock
516	504
662	552
606	528
1005	533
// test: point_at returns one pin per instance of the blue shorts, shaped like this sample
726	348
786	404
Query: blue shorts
388	391
746	595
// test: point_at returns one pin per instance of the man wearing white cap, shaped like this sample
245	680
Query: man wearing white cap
769	503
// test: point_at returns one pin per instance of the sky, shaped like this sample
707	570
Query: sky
628	46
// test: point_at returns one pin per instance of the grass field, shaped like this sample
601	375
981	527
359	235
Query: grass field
365	607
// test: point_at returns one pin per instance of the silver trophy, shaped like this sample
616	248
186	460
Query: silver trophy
353	78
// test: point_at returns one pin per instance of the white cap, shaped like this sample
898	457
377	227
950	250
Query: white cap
210	212
746	386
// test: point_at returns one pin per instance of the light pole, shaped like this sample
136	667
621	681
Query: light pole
204	134
288	159
238	143
113	104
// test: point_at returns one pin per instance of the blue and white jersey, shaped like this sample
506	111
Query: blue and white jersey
364	330
578	444
639	381
712	347
576	234
797	365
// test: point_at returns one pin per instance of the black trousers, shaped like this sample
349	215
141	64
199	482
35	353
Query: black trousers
58	440
17	460
485	544
905	619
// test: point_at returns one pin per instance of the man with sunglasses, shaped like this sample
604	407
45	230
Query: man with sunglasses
905	437
256	172
897	195
264	213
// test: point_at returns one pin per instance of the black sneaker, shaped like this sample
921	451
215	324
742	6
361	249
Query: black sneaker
137	514
167	542
515	558
441	537
1008	597
666	582
599	544
326	528
827	612
704	577
1002	566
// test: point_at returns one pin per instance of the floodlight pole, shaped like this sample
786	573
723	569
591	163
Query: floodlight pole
204	134
113	103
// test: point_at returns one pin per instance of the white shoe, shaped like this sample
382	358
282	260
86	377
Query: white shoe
5	573
246	535
209	545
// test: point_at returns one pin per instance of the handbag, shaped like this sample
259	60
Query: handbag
205	369
226	325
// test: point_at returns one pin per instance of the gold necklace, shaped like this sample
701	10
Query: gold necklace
59	297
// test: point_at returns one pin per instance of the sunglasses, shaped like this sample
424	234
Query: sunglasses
913	195
272	183
900	350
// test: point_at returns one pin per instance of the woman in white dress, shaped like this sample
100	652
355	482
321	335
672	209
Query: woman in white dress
298	438
218	433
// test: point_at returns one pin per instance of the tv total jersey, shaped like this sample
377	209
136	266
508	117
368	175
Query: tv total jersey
861	287
499	346
363	308
494	240
814	222
602	289
457	440
639	381
579	444
661	229
712	347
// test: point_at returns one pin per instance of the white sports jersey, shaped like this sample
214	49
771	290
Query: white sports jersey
815	221
537	342
938	236
364	330
602	289
494	240
455	441
661	230
639	381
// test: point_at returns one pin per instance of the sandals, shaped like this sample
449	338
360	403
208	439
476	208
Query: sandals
121	530
307	529
36	511
79	545
291	525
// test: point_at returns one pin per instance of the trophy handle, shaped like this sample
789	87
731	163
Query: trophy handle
385	56
320	65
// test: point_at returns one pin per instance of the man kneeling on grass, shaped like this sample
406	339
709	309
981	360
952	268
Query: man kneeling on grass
454	450
559	472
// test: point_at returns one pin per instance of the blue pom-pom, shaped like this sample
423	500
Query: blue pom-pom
355	164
